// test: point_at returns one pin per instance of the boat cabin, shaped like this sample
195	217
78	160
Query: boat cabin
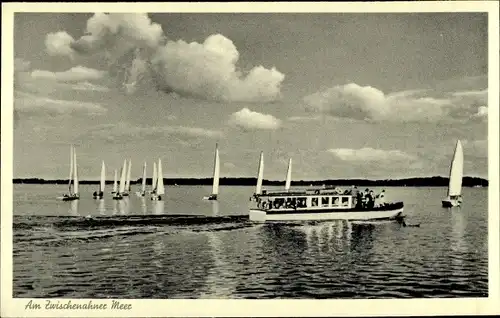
310	199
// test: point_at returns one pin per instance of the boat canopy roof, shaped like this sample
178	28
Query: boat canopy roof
305	192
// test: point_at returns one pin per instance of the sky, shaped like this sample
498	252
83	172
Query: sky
345	95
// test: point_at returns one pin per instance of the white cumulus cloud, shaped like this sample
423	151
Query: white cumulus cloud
59	44
369	103
74	74
247	119
26	102
370	154
205	70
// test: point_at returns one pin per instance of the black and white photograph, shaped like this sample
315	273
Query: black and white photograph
250	155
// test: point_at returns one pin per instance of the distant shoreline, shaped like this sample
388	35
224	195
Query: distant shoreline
408	182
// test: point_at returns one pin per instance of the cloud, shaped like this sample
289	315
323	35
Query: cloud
369	103
303	118
26	102
59	44
74	74
482	112
129	130
137	50
370	154
248	119
87	86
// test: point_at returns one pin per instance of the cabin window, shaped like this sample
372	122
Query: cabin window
301	202
335	201
279	203
325	201
345	201
314	202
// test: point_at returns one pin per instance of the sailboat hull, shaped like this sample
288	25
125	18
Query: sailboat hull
71	198
212	197
449	203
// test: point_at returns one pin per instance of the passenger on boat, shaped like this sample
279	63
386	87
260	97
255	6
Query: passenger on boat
359	200
371	200
380	199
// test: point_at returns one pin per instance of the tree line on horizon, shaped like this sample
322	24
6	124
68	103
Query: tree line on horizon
435	181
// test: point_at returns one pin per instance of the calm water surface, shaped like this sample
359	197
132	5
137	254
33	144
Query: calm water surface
184	247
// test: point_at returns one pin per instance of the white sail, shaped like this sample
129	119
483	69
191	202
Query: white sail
103	177
144	178
123	176
129	171
75	172
155	176
288	181
70	168
115	183
160	188
215	186
456	171
258	188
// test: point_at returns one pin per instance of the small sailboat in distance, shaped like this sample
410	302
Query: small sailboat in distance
215	185
288	181
154	180
73	179
160	188
260	175
121	190
143	189
127	180
102	183
115	183
454	196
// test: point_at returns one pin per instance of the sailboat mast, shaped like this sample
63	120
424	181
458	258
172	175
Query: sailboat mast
103	177
456	171
215	186
288	181
153	185
160	188
122	177
127	184
258	188
70	168
144	178
115	183
75	171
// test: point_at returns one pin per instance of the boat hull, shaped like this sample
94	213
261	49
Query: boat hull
212	197
68	198
390	212
448	203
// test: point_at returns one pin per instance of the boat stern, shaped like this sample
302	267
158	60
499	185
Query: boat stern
257	215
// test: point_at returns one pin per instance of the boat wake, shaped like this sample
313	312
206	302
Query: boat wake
54	230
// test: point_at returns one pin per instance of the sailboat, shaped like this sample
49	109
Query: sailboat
127	180
143	189
454	197
99	194
258	187
288	181
160	188
215	186
73	179
154	180
119	194
115	183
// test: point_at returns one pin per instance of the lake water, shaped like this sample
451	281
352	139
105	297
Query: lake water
184	247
